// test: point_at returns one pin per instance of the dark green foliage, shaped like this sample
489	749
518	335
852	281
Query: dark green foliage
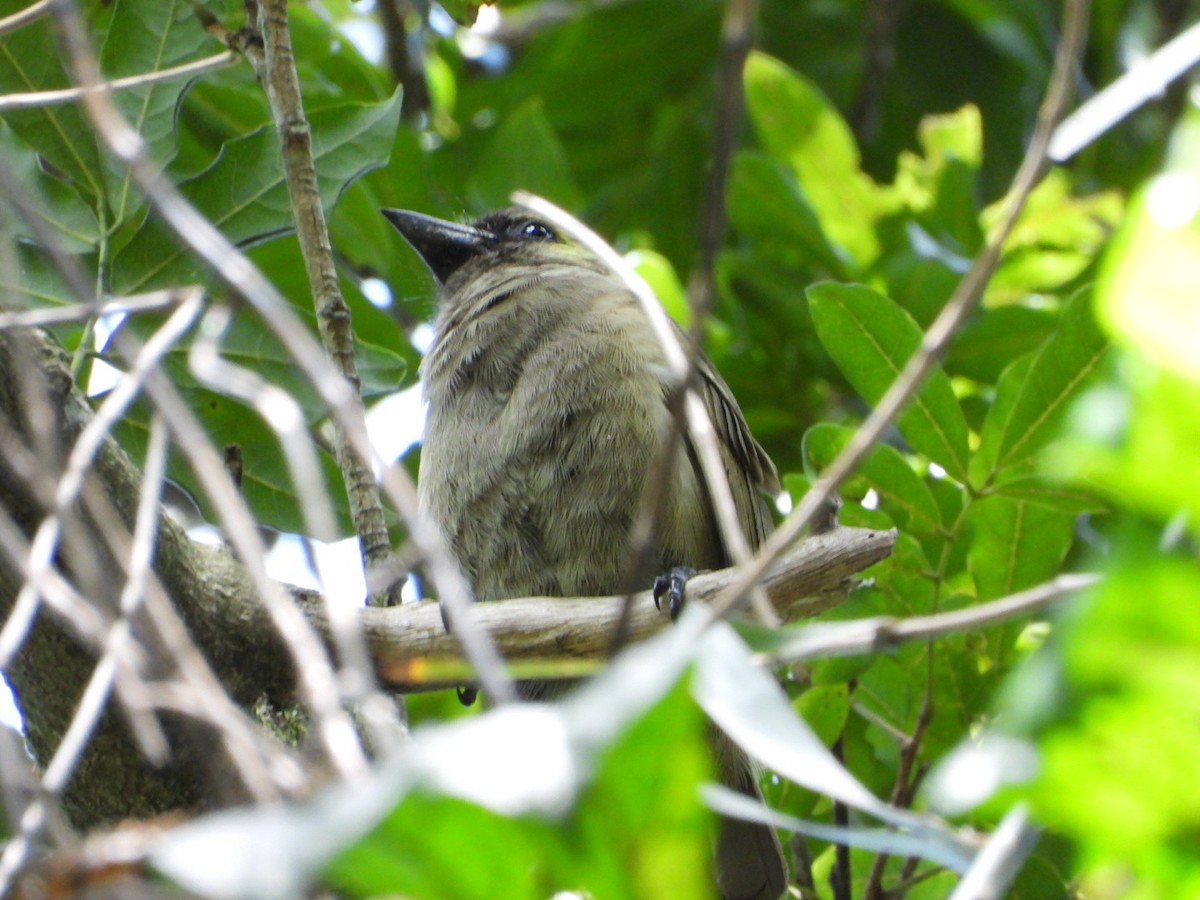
1058	432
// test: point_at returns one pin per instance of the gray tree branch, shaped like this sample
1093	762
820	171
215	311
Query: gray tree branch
219	604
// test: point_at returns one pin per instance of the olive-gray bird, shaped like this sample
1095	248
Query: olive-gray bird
547	392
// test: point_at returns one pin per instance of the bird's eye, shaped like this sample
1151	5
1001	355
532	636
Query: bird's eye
537	231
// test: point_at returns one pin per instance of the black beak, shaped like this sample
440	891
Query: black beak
444	246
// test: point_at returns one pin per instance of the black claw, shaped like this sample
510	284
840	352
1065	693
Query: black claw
672	585
467	695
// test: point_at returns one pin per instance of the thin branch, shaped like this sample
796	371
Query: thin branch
948	321
1145	80
282	85
406	65
79	312
67	95
23	17
879	57
283	415
413	652
885	633
736	43
45	542
996	865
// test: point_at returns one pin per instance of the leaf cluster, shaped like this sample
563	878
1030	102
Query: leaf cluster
1057	432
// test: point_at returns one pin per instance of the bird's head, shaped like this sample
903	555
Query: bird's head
510	238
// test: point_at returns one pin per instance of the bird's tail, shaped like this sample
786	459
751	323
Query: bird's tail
749	858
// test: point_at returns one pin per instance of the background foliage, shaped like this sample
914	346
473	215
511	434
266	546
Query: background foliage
1058	433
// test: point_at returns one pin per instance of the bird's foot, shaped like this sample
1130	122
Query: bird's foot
673	586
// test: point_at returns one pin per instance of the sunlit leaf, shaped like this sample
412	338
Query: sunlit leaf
871	338
796	124
1029	407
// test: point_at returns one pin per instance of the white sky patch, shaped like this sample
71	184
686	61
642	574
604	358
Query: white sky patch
397	422
377	291
936	471
1173	199
339	566
422	338
9	714
366	37
103	377
487	20
870	500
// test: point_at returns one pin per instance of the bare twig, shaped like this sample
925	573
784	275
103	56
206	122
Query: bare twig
45	542
1147	79
879	57
736	43
24	16
315	673
996	865
67	95
79	312
413	652
884	633
282	85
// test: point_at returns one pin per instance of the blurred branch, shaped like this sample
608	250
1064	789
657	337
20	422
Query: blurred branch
1145	81
24	16
66	95
52	667
885	633
407	69
879	55
736	43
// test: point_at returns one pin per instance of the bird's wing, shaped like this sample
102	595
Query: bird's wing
750	471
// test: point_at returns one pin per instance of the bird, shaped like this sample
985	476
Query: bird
547	397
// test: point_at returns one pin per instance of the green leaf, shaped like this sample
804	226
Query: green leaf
871	338
266	482
30	61
940	190
1015	544
66	213
1125	741
148	36
996	337
267	485
524	153
766	208
244	194
900	489
796	124
1032	398
825	708
1052	494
